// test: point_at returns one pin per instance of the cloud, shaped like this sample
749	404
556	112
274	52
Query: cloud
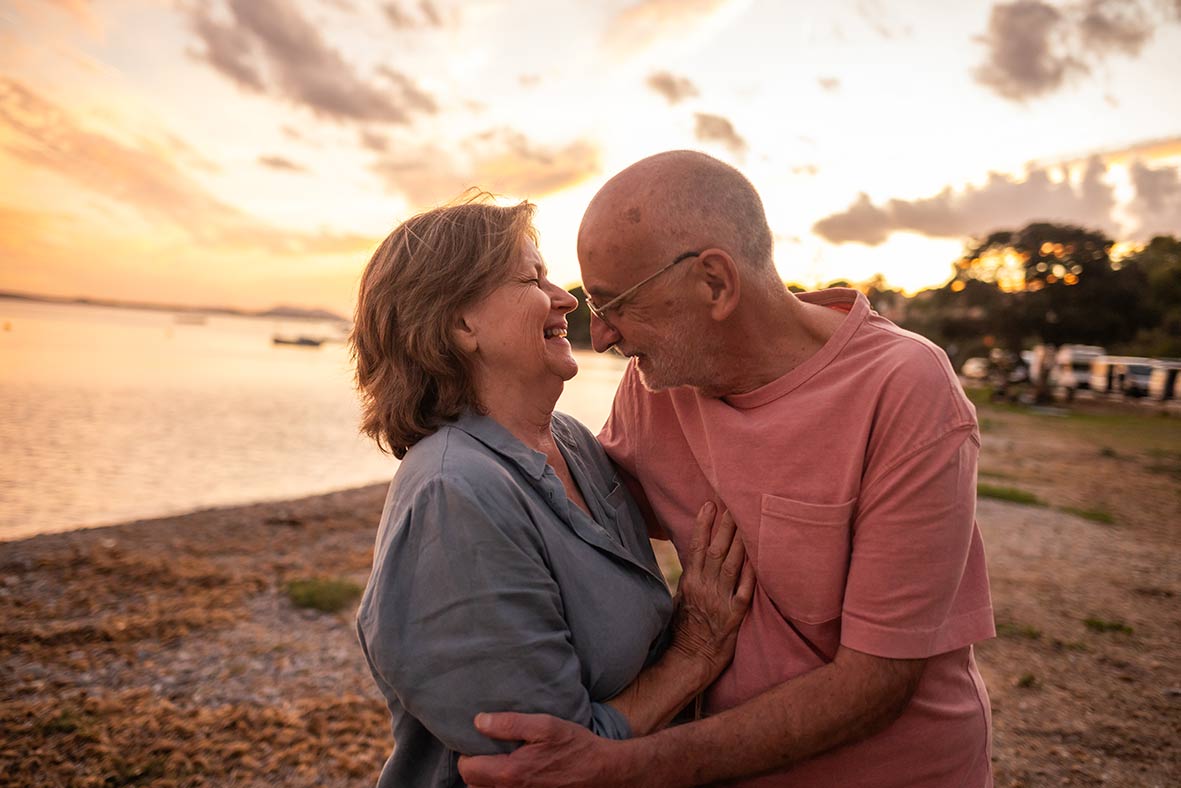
140	177
830	84
874	13
674	89
373	141
228	49
500	161
412	96
83	13
430	13
402	19
1148	150
715	128
1114	26
1156	207
398	18
280	163
1002	202
1023	61
862	222
1031	44
267	46
641	24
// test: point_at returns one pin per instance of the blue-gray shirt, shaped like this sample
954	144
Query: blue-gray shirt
492	591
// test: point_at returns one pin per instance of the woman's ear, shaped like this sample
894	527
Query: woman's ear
464	335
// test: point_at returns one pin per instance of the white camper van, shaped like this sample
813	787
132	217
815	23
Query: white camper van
1072	367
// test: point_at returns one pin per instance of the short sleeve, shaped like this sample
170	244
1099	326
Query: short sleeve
917	583
464	617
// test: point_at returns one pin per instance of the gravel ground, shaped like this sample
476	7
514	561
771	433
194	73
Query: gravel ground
167	652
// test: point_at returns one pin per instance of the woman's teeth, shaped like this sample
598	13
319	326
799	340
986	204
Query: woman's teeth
551	333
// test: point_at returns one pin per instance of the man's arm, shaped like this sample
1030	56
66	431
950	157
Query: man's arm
853	697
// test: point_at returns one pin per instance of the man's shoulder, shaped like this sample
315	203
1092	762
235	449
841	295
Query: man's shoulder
895	352
912	374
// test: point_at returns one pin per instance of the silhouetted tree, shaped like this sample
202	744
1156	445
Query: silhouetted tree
1158	265
578	321
1060	285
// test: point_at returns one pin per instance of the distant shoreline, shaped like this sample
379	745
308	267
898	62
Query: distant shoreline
283	312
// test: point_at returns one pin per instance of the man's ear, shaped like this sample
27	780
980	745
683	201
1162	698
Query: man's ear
464	335
720	282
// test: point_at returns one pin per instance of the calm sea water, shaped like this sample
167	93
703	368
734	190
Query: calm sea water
115	414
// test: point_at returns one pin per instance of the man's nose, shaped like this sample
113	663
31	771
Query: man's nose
603	335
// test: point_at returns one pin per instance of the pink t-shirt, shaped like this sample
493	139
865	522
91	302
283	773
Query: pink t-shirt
852	479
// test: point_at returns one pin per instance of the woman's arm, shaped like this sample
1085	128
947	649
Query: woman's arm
713	596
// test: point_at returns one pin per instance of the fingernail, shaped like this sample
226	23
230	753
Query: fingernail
481	720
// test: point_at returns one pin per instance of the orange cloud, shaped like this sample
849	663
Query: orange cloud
501	161
83	13
641	24
141	177
1009	202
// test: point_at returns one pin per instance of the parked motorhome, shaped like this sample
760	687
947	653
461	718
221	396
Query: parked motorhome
1121	375
1072	367
1162	382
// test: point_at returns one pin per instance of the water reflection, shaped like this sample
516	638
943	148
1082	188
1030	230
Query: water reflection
111	414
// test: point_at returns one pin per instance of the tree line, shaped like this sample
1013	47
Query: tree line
1052	284
1045	283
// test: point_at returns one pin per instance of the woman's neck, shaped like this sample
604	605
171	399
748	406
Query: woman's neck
524	411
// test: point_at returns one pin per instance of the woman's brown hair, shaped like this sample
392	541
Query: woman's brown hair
411	376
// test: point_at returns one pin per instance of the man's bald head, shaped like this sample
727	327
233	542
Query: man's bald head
675	201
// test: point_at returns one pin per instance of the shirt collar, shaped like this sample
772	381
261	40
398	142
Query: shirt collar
489	432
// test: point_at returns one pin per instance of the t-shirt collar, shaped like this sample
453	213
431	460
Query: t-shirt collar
841	298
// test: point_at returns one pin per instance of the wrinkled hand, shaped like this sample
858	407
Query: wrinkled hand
715	591
553	753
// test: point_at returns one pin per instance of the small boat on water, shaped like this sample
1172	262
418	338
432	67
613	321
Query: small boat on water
300	341
189	319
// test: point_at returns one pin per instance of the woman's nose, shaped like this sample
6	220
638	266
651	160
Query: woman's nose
563	300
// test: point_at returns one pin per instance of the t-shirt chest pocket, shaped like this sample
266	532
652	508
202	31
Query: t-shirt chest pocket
803	558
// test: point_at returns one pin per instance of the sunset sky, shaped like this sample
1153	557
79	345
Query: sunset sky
253	152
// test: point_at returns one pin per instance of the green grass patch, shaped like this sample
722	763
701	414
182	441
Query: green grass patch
997	475
1094	515
128	773
328	595
1011	494
1166	454
1104	625
65	721
1027	681
1113	432
1009	629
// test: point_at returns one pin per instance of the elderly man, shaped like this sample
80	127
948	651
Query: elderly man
847	452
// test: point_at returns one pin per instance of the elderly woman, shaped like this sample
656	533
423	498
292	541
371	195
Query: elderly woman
512	570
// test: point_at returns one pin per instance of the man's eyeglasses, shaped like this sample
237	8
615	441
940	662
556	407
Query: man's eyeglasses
601	311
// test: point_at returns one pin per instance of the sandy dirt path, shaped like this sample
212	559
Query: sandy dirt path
168	653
